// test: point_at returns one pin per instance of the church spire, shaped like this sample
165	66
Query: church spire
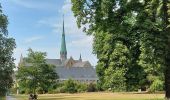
21	61
80	59
63	51
21	58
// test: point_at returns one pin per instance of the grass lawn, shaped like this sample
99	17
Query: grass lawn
95	96
2	98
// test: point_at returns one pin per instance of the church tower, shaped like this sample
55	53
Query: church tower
63	51
80	59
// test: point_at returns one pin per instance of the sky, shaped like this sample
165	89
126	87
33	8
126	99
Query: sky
37	24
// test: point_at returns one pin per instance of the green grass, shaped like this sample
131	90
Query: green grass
2	98
95	96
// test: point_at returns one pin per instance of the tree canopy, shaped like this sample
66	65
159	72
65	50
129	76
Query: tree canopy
34	74
143	28
7	46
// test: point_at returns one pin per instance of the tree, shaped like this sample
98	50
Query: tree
142	26
119	65
110	21
35	73
166	30
7	65
152	22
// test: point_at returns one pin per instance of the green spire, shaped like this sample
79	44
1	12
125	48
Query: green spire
63	51
80	59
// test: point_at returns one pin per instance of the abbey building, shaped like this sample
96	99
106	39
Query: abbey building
69	68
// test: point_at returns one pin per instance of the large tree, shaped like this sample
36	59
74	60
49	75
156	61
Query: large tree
141	25
110	21
34	73
166	30
7	46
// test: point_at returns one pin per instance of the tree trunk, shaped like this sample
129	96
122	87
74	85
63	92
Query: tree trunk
166	31
167	83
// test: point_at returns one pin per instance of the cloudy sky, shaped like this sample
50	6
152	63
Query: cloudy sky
37	24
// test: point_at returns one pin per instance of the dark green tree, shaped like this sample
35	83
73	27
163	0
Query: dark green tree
35	73
142	25
110	21
7	46
119	65
166	30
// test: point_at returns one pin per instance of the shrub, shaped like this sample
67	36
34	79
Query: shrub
39	90
70	86
115	79
157	85
81	87
13	90
61	90
91	87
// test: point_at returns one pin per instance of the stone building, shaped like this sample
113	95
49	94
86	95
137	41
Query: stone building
69	68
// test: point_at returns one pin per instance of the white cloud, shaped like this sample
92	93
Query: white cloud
32	39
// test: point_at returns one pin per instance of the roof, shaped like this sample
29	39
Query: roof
79	71
76	73
82	64
56	62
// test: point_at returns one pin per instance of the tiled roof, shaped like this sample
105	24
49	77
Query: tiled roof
82	64
56	62
77	73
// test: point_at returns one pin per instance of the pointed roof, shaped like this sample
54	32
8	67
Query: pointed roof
63	42
21	58
80	57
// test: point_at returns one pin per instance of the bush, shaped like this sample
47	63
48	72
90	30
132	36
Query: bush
70	86
157	85
39	90
115	80
91	87
60	90
13	90
81	87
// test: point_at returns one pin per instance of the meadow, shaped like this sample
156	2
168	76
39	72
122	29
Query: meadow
95	96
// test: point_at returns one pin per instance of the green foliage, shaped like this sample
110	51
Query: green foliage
110	22
157	85
61	90
70	86
119	63
37	75
115	79
81	87
7	46
141	25
91	87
